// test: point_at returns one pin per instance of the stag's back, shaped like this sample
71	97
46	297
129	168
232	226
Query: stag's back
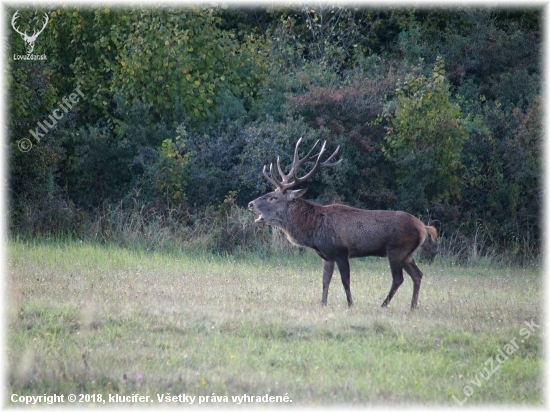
369	232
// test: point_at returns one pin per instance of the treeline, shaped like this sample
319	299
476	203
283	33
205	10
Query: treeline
438	112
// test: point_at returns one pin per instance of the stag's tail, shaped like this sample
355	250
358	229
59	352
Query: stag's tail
433	233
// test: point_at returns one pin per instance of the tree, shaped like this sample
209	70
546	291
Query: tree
177	60
143	71
425	138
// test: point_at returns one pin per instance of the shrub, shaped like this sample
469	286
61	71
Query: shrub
347	111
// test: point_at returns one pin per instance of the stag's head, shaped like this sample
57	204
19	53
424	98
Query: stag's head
272	207
29	40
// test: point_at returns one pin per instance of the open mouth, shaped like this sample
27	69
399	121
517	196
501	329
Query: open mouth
260	218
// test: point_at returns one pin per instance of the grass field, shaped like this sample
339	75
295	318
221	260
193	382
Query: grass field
89	319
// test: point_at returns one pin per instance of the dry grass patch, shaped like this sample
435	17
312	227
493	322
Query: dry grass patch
89	319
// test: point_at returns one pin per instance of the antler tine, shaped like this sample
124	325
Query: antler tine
35	33
326	162
318	166
296	163
286	182
295	160
281	173
306	157
45	24
315	167
13	19
270	179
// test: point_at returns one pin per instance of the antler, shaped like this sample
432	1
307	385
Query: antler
15	16
34	34
25	35
291	180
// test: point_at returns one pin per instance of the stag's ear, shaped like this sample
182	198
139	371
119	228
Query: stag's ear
295	194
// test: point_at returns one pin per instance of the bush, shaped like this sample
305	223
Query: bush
347	111
505	178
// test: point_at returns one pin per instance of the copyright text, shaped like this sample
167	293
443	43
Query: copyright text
136	398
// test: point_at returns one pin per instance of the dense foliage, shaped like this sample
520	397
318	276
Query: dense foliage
438	113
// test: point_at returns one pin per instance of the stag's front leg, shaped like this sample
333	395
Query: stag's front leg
328	270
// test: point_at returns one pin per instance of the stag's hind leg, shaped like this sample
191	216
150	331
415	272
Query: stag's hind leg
416	276
396	267
343	267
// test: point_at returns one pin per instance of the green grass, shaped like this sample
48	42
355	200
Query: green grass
84	318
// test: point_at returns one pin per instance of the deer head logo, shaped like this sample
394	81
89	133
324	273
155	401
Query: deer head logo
29	40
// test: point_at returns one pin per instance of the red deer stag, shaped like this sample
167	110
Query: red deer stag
338	232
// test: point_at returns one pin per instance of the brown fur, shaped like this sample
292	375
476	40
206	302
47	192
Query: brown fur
338	232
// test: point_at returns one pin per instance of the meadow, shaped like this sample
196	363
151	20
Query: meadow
85	318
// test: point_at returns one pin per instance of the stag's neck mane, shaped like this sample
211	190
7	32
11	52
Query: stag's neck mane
302	222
